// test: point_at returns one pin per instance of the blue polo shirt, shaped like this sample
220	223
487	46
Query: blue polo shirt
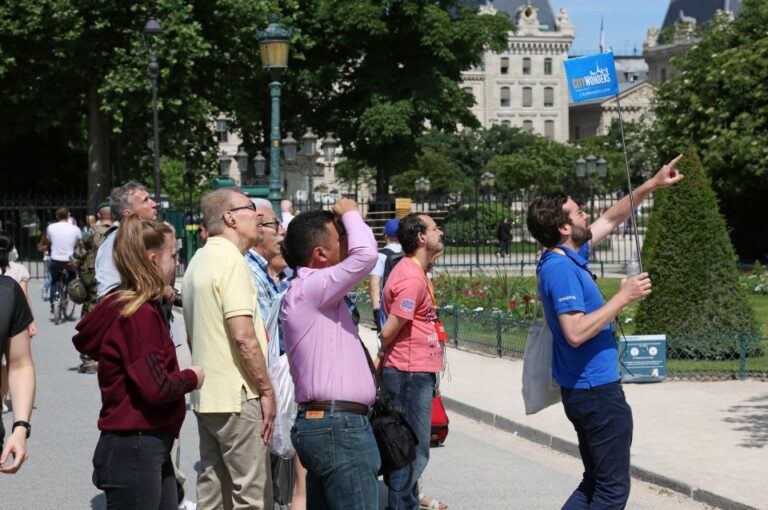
566	285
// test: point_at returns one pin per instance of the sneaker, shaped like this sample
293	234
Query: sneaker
187	505
89	367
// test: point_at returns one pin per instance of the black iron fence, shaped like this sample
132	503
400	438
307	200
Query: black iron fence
26	218
475	240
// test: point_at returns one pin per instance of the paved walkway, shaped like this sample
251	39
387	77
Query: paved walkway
708	440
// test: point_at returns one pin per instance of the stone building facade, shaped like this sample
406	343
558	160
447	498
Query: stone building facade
525	86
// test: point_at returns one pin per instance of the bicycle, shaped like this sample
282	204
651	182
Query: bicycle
64	308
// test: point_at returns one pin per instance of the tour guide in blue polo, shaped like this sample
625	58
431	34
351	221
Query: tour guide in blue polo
585	359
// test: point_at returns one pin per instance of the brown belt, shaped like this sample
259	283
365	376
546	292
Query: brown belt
342	406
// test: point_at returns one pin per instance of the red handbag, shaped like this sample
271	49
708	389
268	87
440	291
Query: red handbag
439	422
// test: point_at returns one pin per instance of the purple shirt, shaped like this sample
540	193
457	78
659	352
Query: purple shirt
324	352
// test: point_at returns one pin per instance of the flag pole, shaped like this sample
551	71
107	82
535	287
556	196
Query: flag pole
629	187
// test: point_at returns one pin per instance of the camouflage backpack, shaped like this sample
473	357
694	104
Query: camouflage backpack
85	254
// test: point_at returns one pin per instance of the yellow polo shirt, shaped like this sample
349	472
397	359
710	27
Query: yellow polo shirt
218	286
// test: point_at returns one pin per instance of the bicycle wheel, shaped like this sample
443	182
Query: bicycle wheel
58	311
70	309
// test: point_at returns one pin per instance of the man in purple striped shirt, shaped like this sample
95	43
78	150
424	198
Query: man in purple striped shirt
331	252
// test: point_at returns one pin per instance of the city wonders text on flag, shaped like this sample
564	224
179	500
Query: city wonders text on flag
591	77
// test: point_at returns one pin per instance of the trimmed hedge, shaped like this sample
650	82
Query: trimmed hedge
693	267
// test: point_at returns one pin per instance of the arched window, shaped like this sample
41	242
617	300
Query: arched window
549	129
527	97
528	126
505	97
549	97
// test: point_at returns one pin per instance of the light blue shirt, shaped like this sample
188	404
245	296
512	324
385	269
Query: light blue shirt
265	286
107	276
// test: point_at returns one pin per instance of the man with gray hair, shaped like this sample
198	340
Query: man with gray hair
235	408
130	198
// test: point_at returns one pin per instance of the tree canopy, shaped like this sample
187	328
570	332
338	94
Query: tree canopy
719	104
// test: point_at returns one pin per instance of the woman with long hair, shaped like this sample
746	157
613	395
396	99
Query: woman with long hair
20	273
142	388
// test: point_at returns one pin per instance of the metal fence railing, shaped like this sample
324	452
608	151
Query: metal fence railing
694	357
26	219
471	231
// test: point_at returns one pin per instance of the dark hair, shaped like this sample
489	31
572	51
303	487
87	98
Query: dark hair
6	245
408	232
62	213
545	216
305	232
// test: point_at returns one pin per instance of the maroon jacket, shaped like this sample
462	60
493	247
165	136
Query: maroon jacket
139	378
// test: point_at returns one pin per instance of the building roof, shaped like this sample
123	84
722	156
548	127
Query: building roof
511	6
702	10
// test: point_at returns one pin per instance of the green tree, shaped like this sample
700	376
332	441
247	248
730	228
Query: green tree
445	176
692	264
376	73
719	104
73	77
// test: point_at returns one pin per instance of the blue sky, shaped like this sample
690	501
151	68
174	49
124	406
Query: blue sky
626	22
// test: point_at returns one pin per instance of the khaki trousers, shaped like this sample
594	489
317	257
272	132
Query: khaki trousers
235	471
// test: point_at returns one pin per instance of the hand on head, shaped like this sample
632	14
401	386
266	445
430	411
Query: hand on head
343	205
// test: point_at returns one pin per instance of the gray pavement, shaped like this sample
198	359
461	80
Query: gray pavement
708	440
704	439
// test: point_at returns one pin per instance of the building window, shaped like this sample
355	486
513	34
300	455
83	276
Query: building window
467	90
506	123
526	65
548	66
528	126
504	65
222	131
549	129
549	97
505	100
527	97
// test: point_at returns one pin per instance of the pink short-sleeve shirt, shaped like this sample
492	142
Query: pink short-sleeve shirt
416	347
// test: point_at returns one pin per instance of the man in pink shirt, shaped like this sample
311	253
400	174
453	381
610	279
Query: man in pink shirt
331	254
412	345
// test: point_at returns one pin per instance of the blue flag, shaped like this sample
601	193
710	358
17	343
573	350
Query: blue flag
591	77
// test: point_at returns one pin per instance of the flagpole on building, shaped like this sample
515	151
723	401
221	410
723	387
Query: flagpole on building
632	216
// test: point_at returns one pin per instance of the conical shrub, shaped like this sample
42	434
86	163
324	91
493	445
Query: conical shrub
697	298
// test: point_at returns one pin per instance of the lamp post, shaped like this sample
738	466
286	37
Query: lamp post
306	163
151	30
487	182
273	46
594	170
422	185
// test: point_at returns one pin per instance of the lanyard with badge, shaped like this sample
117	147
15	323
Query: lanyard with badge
442	336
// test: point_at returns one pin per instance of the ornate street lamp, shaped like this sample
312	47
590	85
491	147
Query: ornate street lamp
225	162
487	182
151	31
273	45
259	165
593	170
242	162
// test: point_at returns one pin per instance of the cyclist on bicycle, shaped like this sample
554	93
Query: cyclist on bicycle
62	238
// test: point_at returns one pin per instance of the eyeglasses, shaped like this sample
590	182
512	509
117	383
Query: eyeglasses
271	224
250	206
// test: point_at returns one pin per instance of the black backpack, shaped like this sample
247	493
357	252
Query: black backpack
393	258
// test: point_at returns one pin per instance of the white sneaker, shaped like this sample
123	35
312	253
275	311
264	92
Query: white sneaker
188	505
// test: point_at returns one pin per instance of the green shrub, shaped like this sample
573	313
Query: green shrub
697	294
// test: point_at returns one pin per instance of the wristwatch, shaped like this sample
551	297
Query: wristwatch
22	423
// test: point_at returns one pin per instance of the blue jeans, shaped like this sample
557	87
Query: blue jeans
134	470
412	394
342	460
58	268
603	422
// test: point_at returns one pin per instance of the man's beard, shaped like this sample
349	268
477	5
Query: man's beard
580	235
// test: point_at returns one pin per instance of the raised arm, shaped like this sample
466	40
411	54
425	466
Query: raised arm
620	211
